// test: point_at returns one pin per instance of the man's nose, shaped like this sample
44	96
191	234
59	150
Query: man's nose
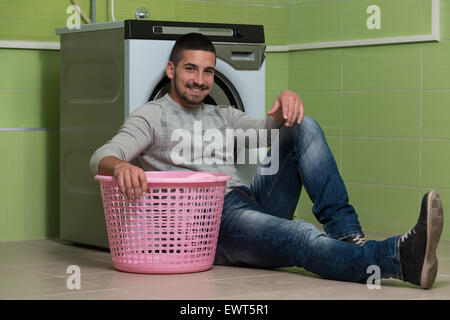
199	79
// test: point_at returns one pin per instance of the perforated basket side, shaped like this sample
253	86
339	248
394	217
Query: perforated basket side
173	229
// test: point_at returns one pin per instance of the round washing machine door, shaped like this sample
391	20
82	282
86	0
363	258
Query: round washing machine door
223	93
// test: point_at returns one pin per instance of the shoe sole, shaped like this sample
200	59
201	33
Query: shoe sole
435	223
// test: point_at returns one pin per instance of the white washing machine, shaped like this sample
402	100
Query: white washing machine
108	70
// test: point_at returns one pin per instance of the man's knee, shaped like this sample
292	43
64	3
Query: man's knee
307	131
308	124
301	135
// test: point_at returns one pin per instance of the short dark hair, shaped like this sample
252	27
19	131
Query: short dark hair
190	41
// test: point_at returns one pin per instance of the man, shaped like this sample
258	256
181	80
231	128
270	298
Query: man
257	227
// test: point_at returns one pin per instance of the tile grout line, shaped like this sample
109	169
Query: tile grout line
377	90
207	280
289	60
106	259
125	290
427	299
24	129
395	186
203	10
67	274
421	17
391	138
68	293
29	280
341	115
420	118
246	277
29	91
24	185
28	265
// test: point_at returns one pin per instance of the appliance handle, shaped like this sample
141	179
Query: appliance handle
243	55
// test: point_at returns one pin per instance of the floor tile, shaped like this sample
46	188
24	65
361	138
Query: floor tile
124	280
36	287
208	290
37	269
24	273
107	294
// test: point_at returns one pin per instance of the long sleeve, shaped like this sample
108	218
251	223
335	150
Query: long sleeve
134	137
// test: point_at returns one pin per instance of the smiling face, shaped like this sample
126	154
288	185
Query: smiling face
192	78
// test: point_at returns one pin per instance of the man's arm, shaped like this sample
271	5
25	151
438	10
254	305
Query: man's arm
134	137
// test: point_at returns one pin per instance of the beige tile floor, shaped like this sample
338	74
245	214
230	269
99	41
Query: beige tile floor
36	269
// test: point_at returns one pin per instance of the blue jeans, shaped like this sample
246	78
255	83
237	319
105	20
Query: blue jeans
258	229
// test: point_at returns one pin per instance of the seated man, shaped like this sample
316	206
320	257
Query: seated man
257	227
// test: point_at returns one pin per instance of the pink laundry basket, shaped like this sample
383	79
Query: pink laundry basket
172	229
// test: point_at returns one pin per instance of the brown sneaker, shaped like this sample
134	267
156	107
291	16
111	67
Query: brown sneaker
418	246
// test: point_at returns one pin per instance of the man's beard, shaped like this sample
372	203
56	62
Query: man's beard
185	97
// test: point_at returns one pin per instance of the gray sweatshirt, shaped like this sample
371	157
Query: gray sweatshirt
165	136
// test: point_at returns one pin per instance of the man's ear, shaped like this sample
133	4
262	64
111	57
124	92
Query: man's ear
170	70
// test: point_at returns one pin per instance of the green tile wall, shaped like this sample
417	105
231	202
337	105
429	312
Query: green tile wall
385	109
385	161
434	122
377	114
41	188
12	206
29	123
315	70
29	93
304	26
382	67
398	18
325	108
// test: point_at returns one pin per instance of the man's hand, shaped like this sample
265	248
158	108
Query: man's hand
287	108
131	179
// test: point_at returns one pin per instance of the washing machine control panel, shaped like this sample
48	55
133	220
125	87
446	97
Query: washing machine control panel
172	30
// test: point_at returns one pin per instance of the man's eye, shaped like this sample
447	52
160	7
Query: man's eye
189	68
